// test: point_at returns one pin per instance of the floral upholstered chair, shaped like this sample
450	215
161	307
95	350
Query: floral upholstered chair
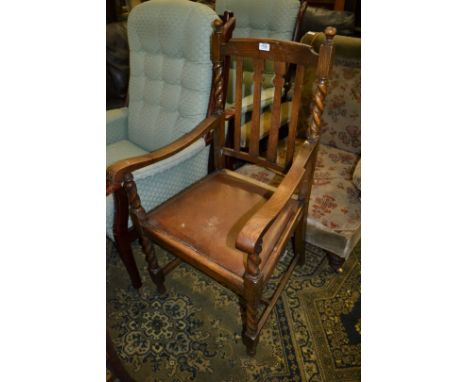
169	93
334	219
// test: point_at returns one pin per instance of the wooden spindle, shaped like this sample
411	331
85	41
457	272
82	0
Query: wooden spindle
254	138
278	83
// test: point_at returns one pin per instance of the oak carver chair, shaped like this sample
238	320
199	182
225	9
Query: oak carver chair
170	94
229	226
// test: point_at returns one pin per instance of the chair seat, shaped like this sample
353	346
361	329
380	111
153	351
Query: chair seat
123	149
207	218
333	163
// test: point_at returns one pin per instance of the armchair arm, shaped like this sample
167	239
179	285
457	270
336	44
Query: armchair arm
116	125
250	236
116	171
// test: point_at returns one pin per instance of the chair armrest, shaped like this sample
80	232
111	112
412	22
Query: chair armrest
250	236
116	171
116	125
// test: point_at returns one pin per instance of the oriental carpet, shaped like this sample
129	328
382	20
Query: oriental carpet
193	332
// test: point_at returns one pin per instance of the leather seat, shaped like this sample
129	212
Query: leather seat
202	232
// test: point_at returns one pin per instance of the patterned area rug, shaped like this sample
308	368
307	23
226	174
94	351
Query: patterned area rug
193	332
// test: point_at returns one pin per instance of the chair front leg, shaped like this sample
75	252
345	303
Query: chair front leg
123	237
253	287
138	214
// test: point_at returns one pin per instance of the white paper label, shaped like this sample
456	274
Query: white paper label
264	46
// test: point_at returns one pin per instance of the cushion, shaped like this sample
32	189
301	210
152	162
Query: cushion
334	205
333	163
123	149
116	125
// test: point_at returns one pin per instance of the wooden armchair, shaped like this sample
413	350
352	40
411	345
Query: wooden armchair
229	226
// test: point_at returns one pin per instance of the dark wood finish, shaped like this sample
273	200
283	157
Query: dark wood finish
278	50
232	228
336	262
124	236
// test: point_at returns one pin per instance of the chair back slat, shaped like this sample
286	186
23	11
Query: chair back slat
238	102
294	115
254	138
278	83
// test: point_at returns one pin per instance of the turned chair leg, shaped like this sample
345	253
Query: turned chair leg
123	237
336	262
139	215
249	310
155	271
250	336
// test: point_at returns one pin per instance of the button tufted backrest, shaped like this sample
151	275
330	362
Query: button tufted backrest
259	19
170	70
262	18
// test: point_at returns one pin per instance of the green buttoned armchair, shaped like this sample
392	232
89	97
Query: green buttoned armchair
169	95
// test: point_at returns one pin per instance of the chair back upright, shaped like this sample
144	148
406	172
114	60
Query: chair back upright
170	70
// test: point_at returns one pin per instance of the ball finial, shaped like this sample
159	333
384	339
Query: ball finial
330	32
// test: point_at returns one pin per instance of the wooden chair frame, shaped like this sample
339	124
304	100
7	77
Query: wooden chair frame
287	204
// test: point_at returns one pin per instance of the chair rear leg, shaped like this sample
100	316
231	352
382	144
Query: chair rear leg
298	242
124	250
123	237
336	262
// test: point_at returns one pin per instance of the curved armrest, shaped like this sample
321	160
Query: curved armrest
116	171
249	237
